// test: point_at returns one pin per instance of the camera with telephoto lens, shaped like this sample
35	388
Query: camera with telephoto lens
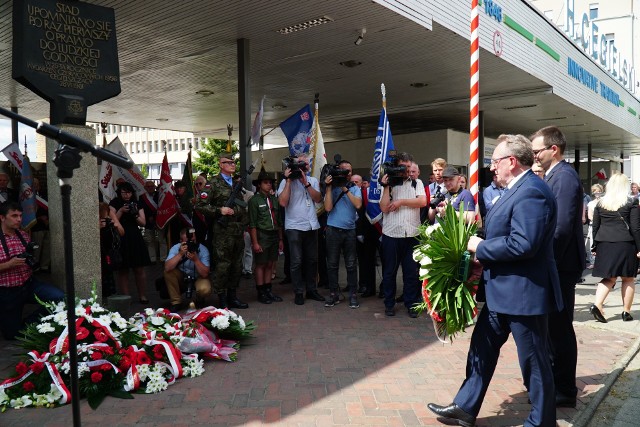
190	284
192	246
437	199
29	255
133	208
395	172
338	176
297	167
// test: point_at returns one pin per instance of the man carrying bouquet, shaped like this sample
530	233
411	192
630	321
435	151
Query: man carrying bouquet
522	288
17	284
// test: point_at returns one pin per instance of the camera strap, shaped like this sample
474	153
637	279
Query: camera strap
4	241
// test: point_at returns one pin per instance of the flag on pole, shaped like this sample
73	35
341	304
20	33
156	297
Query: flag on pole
167	203
601	174
110	173
14	155
256	129
384	143
298	129
187	177
317	155
27	196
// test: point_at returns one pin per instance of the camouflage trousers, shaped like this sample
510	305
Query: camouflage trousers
227	251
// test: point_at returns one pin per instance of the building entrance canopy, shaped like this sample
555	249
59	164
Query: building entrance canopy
178	69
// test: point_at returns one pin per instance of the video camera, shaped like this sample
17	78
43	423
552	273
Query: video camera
29	255
339	176
297	167
397	173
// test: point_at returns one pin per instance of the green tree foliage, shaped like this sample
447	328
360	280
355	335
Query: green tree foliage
144	170
209	154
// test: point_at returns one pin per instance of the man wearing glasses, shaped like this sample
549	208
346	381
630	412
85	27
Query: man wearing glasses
568	246
228	243
522	288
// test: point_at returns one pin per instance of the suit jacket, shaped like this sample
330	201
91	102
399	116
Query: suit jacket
517	254
568	244
622	225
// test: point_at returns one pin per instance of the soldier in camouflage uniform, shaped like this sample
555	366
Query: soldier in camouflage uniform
228	242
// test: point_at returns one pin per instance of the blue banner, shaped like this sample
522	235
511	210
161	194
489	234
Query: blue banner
384	143
298	129
27	196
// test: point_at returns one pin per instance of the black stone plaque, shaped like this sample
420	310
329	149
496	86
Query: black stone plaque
66	52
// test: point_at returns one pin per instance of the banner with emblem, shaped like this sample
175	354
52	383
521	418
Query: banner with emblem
298	129
27	196
110	173
167	202
14	155
384	143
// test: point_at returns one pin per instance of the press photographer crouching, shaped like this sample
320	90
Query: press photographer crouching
187	266
456	196
17	284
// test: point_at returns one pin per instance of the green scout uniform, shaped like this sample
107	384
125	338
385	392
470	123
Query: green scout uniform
266	225
228	242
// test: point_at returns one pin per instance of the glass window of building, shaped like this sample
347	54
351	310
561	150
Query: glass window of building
593	11
183	145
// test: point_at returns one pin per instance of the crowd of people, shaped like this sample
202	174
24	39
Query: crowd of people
532	251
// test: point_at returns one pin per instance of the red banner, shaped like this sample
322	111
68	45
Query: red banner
167	203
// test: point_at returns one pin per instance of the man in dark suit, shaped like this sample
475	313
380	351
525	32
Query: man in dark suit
522	288
568	246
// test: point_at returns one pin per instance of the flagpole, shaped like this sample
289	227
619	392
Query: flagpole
474	104
314	149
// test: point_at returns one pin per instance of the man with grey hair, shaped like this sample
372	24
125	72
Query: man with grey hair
521	287
6	194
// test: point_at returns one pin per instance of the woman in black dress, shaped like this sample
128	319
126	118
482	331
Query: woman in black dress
132	246
616	235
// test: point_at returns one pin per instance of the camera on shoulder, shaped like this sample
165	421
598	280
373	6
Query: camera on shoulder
396	172
339	176
297	167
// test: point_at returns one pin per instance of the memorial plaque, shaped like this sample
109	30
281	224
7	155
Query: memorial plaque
66	52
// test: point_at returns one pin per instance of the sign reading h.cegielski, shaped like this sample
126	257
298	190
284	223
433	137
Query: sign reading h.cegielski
66	52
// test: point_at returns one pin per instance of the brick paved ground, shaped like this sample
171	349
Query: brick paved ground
315	366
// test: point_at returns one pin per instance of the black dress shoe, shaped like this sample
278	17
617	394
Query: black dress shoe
453	413
314	295
563	401
299	299
626	317
389	312
597	314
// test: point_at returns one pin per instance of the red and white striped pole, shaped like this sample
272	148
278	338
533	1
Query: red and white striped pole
474	84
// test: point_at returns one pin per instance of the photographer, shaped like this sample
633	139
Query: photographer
297	194
132	247
456	196
17	284
342	200
187	263
402	198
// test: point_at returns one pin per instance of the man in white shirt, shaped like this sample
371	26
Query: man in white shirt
402	198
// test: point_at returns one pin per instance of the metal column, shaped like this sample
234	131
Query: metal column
244	107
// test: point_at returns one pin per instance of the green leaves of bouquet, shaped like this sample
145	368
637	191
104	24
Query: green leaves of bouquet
444	269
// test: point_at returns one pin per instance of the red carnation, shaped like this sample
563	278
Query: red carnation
87	310
100	335
105	367
157	348
96	355
22	368
82	333
143	358
157	356
96	377
37	367
28	386
124	364
108	351
202	317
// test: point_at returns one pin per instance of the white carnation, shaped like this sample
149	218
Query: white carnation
156	321
45	327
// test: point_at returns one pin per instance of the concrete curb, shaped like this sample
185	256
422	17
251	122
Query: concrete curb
586	414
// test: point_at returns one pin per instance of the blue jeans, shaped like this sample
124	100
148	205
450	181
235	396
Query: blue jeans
13	300
303	255
337	239
397	251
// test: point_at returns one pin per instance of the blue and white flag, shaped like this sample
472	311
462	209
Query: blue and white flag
384	143
27	196
298	129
